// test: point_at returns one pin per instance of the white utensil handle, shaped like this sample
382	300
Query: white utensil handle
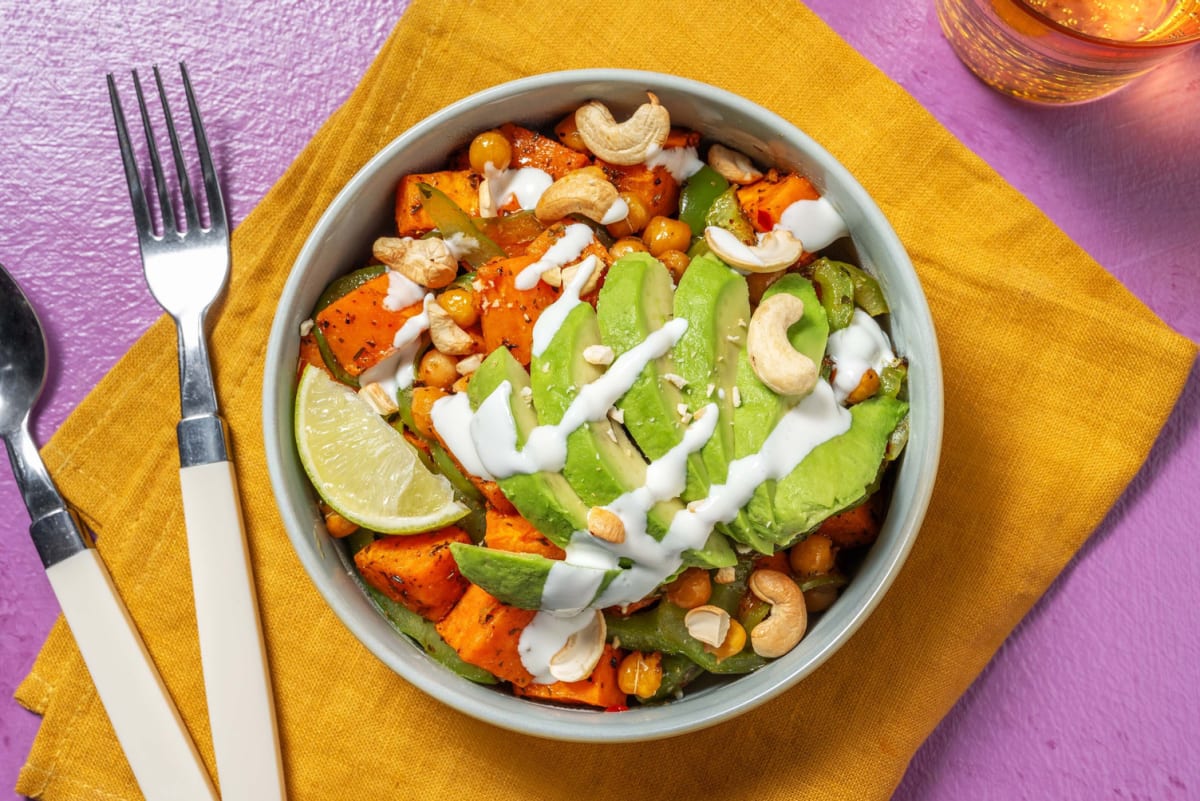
232	653
156	743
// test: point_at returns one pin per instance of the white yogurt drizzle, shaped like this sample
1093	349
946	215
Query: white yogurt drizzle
395	372
526	184
402	292
494	432
816	223
567	249
618	211
681	162
551	318
858	347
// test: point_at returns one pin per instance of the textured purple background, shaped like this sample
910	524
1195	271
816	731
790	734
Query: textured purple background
1094	697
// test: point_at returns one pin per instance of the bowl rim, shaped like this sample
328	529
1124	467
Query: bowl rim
640	723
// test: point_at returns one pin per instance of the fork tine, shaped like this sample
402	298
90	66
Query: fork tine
160	181
212	189
137	195
185	189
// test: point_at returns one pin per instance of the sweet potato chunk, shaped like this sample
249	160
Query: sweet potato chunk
512	532
656	188
357	327
461	186
531	149
765	200
599	689
417	570
486	633
507	314
854	527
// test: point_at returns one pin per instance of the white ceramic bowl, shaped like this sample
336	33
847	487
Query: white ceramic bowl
364	209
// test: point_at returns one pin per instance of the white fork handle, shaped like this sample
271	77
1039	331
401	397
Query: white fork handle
232	653
156	743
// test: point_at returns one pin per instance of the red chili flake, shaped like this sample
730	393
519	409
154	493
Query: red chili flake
617	708
764	220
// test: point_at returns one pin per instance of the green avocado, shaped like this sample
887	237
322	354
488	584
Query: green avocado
760	408
637	299
713	298
838	473
516	579
545	499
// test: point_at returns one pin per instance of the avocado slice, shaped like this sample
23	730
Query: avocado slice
517	579
545	499
761	408
637	299
713	298
839	472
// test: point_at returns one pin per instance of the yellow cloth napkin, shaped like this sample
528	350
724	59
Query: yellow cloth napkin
1040	348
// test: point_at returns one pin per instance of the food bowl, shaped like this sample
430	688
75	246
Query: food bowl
364	210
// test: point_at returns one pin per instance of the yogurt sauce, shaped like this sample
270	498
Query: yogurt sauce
681	162
858	347
526	184
485	442
816	223
575	238
395	372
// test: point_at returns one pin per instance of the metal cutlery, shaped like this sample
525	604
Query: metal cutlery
147	724
186	267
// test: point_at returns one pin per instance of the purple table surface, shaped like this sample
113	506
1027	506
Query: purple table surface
1095	694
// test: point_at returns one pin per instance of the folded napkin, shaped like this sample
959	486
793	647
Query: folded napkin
1040	348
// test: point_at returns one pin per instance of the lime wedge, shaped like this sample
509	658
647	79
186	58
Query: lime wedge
364	468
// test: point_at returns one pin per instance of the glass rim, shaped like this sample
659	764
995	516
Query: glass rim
1191	38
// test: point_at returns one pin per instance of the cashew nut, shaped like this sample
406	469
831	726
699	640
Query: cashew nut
586	191
605	525
776	250
787	621
379	399
777	364
709	624
733	166
446	334
629	142
577	659
428	262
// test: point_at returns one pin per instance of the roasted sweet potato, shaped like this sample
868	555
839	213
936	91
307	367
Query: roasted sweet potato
507	314
765	200
486	633
531	149
599	689
854	527
357	327
310	353
417	570
461	186
512	532
656	188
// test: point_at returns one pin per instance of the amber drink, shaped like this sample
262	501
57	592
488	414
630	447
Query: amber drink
1067	51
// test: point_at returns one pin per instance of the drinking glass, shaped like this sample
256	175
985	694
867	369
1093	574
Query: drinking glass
1067	51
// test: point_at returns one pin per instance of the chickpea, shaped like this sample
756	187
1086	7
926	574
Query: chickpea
436	369
335	524
676	261
490	146
640	674
812	556
693	588
626	245
664	233
423	399
635	221
568	133
818	599
459	303
735	641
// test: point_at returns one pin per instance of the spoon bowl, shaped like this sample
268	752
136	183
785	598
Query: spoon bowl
22	356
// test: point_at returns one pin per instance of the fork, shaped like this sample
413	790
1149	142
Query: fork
186	267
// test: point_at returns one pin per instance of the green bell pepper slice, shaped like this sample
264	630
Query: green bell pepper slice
449	218
697	196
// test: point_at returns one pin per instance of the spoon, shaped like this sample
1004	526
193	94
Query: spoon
148	726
